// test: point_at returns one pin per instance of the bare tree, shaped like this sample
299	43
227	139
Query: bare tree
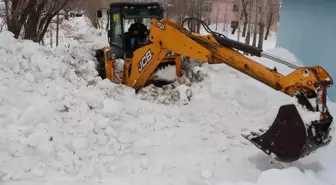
225	17
248	37
255	31
237	13
2	16
199	9
272	15
32	17
217	16
73	5
181	10
244	14
262	23
2	24
91	8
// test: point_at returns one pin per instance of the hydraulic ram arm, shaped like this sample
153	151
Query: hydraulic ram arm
215	49
289	138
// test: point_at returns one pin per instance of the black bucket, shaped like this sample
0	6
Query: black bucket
289	139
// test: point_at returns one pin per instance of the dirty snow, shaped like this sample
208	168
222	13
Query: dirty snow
61	124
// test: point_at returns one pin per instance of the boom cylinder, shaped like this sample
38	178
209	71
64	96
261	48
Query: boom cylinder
255	51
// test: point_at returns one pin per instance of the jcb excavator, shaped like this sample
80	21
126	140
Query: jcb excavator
288	139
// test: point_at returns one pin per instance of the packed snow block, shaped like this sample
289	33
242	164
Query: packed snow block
184	93
93	98
111	107
178	92
168	94
117	91
290	176
166	74
6	40
40	140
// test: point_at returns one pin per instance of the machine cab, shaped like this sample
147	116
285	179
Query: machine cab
121	16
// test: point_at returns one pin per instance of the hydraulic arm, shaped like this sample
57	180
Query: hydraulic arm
289	138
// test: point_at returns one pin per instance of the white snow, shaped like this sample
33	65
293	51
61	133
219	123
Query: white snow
61	124
168	73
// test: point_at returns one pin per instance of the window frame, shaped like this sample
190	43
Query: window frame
119	43
235	7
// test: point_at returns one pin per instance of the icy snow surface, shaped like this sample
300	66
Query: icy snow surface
63	125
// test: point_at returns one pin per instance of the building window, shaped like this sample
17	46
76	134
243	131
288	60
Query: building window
235	8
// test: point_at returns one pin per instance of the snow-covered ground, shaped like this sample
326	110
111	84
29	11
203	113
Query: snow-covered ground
63	125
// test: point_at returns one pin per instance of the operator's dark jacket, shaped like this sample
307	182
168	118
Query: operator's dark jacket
141	28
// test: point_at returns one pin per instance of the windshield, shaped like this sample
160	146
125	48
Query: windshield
150	11
129	22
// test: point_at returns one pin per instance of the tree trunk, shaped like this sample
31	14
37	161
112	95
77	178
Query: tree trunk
261	35
255	33
25	14
248	37
245	3
267	31
18	15
270	17
33	16
51	39
217	18
225	12
57	29
262	26
7	12
66	14
240	11
245	25
30	32
43	31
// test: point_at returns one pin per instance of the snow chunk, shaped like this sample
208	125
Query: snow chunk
79	143
6	40
206	174
306	115
167	73
185	93
111	107
291	176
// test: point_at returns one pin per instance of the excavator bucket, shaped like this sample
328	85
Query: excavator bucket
289	138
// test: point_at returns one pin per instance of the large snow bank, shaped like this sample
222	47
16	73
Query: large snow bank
61	124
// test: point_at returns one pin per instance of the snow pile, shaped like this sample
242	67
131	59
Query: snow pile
178	91
175	93
168	73
40	101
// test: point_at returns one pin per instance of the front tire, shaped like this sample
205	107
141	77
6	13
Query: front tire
100	67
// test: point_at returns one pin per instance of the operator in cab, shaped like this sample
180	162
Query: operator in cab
138	33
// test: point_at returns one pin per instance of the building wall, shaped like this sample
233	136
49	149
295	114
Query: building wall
308	30
226	11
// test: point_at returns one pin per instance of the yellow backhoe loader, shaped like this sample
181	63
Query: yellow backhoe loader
288	138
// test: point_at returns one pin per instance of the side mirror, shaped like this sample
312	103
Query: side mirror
99	14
